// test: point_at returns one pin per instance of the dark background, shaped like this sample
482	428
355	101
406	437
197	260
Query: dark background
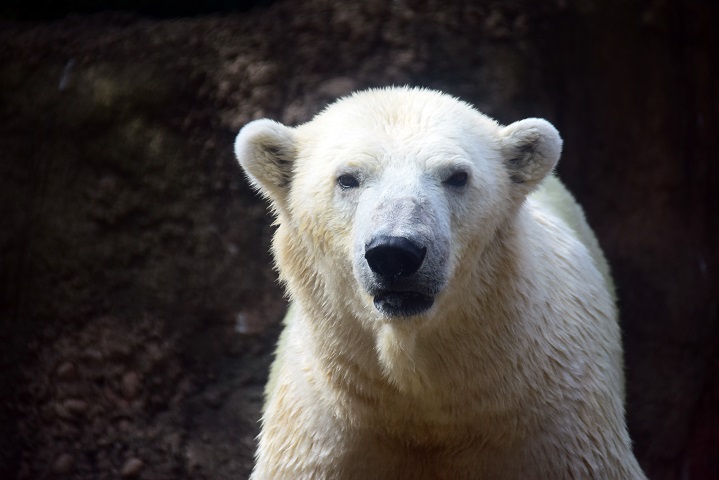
138	308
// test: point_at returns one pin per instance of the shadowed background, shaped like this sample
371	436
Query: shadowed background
138	307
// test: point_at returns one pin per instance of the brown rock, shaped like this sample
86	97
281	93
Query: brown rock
132	467
75	406
62	412
66	371
131	385
337	87
63	464
124	425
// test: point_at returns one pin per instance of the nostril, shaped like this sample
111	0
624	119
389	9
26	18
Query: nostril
394	257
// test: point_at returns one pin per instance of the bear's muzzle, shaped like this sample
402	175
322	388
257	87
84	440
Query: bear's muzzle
394	257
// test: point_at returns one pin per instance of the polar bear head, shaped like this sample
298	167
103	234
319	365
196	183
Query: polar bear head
387	196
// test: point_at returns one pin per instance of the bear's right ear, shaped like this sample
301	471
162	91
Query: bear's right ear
531	149
266	151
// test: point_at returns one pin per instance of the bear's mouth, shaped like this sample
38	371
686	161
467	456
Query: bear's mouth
402	304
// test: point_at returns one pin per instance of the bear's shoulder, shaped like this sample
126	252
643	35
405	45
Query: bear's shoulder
554	201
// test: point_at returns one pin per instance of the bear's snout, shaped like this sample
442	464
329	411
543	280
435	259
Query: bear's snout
395	260
401	248
394	257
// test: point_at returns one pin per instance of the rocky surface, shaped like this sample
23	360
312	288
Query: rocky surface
138	306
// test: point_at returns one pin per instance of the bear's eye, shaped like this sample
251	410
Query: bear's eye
457	179
347	181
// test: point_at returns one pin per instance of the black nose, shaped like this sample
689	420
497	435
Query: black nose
393	257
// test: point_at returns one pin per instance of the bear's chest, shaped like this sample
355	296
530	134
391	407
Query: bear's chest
431	419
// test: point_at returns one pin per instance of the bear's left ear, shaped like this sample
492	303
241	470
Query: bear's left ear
530	149
266	150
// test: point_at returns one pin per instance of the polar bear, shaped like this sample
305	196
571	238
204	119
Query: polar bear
452	314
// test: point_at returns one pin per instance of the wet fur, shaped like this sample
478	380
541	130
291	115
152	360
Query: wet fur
515	373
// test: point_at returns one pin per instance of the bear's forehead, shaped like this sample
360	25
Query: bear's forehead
385	126
401	115
370	145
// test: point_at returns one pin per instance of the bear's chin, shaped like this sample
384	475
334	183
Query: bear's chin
402	304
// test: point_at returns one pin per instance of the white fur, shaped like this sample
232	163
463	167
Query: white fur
515	372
